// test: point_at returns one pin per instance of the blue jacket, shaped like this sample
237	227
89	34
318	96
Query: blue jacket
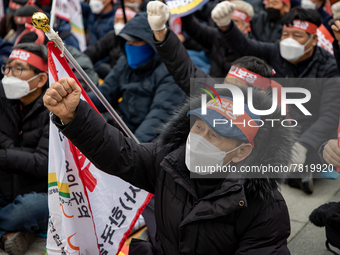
149	92
100	24
64	29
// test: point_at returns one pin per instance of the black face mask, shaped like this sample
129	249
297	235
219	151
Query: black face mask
273	14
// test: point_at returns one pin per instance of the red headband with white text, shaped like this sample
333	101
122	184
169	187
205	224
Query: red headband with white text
255	79
29	58
241	15
304	26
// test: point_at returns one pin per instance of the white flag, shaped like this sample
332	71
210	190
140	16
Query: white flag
70	10
91	212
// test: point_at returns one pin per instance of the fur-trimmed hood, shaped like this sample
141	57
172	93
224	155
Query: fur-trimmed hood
273	145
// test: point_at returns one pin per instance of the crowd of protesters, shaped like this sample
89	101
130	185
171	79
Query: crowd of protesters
143	61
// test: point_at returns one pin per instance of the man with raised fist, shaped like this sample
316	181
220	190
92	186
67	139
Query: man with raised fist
224	214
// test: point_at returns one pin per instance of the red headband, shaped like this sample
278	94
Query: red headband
241	15
29	58
14	6
22	20
249	77
304	25
238	120
129	13
254	79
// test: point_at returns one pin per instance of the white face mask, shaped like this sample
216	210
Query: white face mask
292	50
118	27
96	6
200	153
308	4
15	88
134	5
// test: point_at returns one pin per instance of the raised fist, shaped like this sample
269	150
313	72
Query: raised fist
158	15
222	13
336	11
331	152
62	98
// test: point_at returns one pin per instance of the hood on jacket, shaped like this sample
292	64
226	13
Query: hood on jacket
138	27
273	145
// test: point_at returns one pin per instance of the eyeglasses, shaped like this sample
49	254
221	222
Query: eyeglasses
16	71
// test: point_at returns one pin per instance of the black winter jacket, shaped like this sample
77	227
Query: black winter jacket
220	56
177	61
149	92
264	30
23	147
105	46
324	104
242	216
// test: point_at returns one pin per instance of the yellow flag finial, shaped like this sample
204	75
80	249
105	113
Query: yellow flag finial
41	21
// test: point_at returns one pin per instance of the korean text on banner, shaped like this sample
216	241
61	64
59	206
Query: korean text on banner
91	212
325	39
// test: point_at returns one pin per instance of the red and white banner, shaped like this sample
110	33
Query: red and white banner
325	39
70	10
91	212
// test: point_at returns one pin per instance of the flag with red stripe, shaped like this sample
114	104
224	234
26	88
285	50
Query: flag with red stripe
91	212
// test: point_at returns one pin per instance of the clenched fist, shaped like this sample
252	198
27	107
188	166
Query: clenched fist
158	15
62	98
222	13
336	11
331	152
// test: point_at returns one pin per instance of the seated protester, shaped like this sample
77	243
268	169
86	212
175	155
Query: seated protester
22	16
149	92
309	61
7	24
108	45
318	5
37	36
182	68
229	215
24	138
100	19
267	26
63	28
220	56
5	51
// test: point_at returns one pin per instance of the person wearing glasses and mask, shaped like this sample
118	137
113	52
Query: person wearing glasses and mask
296	55
24	134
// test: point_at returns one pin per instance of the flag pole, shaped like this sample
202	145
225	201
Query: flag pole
40	21
52	18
